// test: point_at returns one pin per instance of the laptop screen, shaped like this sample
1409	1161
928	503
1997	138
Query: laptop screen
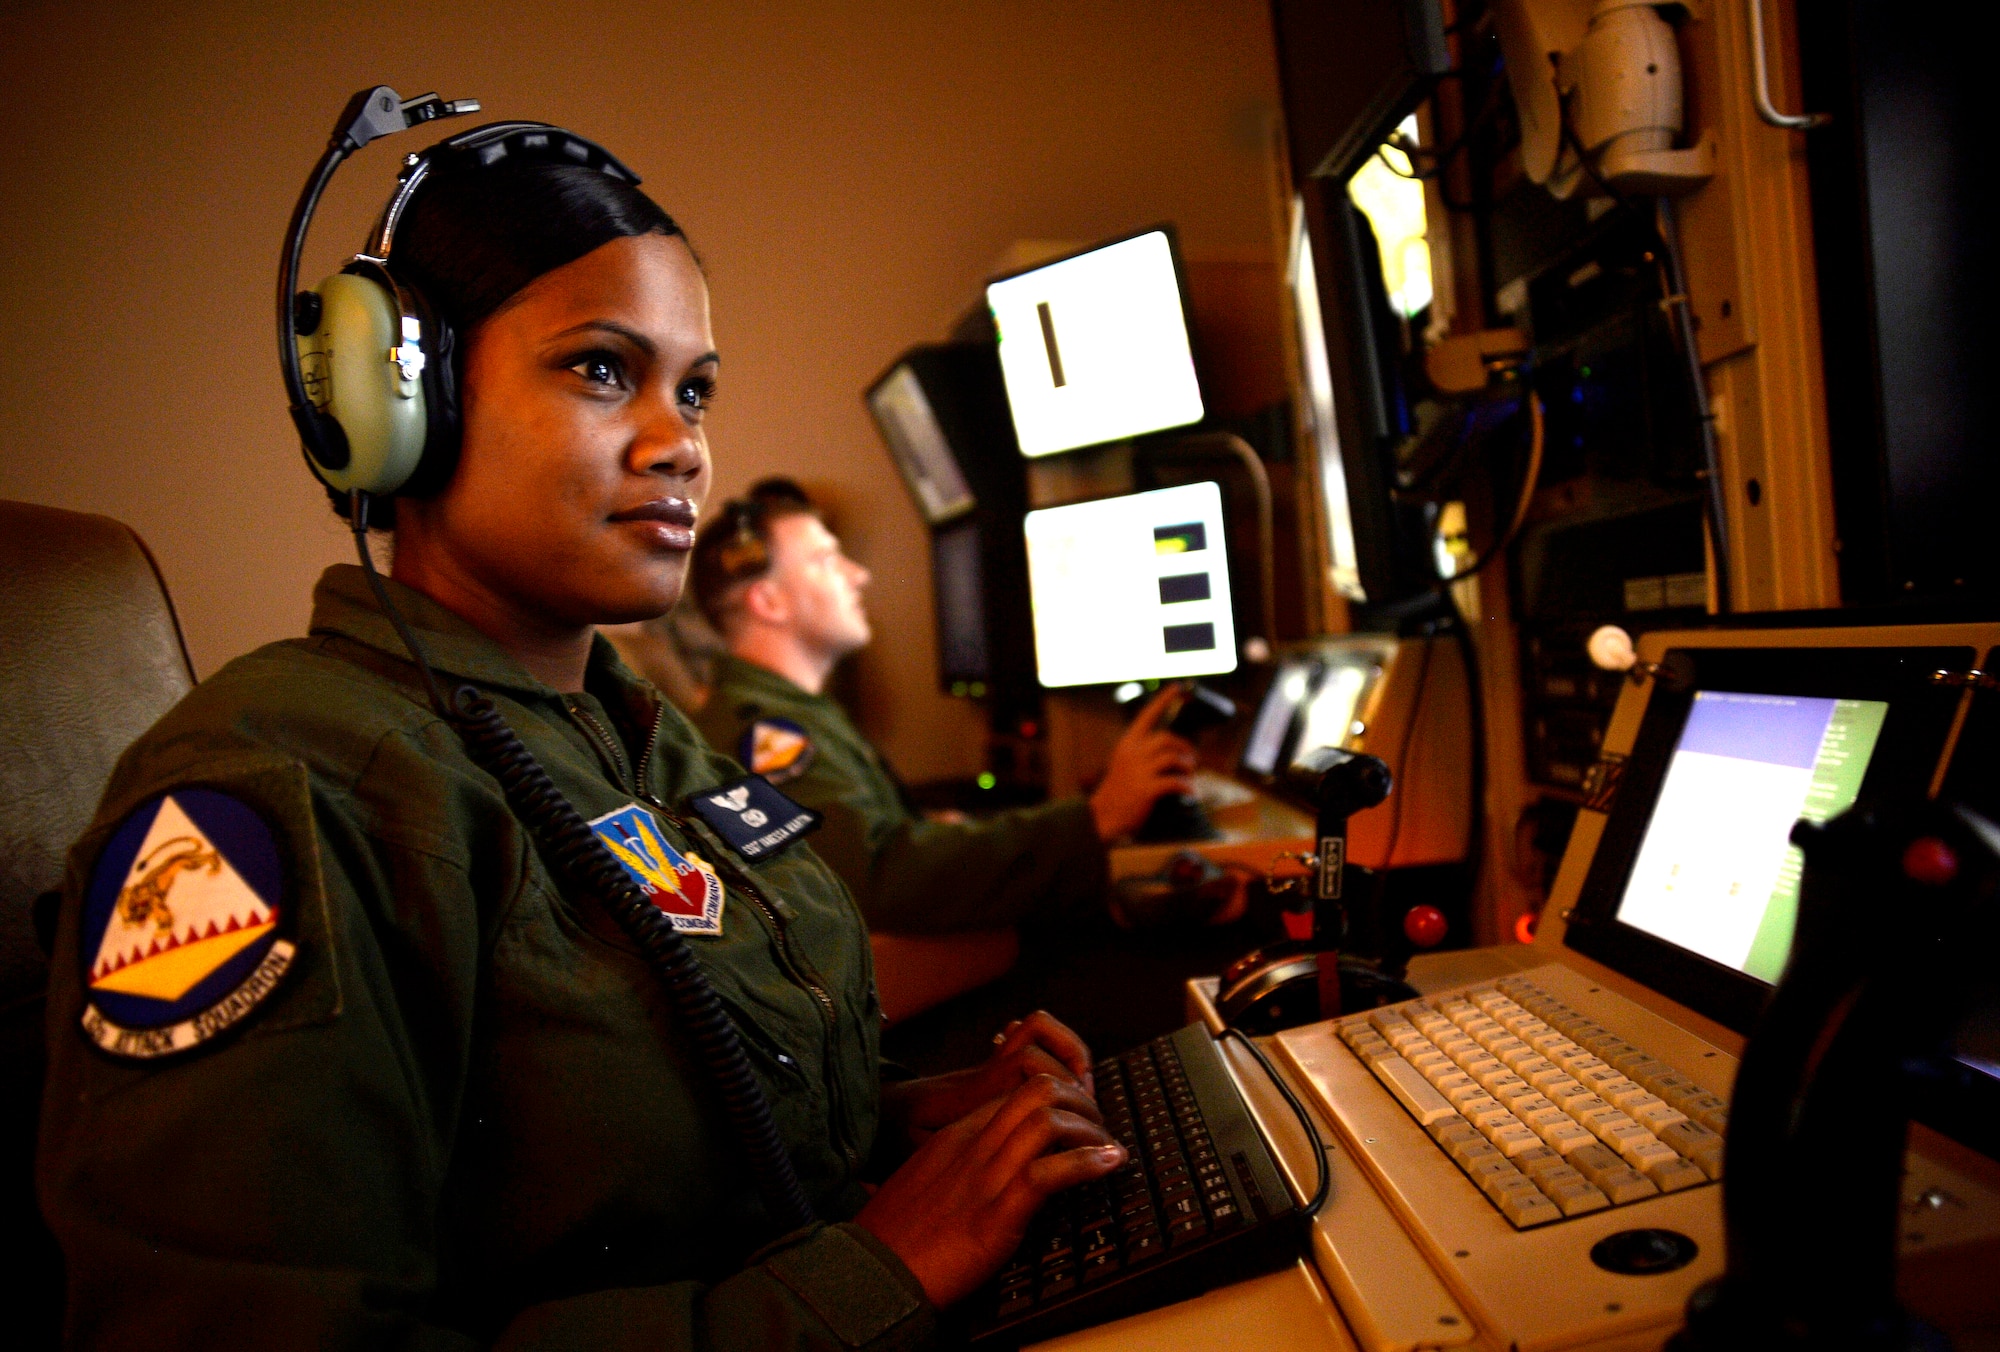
1692	888
1716	873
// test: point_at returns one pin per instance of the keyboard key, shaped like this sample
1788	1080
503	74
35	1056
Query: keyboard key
1194	1227
1709	1110
1644	1154
1457	1079
1014	1303
1098	1266
1528	1208
1673	1173
1541	1160
1481	1107
1654	1114
1615	1178
1507	1086
1566	1138
1698	1143
1060	1282
1413	1091
1227	1216
1515	1138
1144	1246
1470	1155
1453	1134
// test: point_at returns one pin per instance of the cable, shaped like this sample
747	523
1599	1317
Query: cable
1536	438
1320	1194
560	830
1676	303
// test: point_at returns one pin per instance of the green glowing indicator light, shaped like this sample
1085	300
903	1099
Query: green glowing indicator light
986	779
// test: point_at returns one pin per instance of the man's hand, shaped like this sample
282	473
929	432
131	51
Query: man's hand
962	1204
1037	1045
1148	761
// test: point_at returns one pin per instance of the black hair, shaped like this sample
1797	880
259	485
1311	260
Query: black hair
472	237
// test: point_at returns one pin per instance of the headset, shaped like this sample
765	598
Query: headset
369	363
368	368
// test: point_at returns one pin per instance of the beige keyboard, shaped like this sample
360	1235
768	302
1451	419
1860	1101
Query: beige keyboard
1550	1114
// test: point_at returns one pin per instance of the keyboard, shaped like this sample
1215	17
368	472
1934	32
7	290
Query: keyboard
1200	1203
1550	1114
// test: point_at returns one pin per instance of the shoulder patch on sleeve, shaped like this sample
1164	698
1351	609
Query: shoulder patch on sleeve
776	748
187	925
753	819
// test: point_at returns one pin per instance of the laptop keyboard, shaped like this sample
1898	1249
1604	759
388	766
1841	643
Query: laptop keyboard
1550	1114
1200	1201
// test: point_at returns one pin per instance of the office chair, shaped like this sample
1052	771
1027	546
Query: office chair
90	655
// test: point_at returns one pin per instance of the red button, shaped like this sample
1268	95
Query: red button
1930	861
1425	926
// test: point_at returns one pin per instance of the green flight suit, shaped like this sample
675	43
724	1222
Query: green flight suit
465	1115
910	876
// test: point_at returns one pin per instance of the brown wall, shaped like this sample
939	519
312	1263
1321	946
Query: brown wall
847	172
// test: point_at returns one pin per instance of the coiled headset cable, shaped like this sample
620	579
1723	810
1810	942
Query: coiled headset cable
575	851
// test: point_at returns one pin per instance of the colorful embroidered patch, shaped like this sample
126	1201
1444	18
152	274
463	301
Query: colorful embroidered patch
684	887
186	928
776	748
753	819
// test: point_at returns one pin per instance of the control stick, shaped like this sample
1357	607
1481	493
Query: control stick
1305	978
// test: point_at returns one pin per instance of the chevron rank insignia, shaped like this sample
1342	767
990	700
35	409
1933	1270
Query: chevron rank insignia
186	925
684	887
776	748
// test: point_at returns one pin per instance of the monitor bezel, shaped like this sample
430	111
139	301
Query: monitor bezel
1187	322
1906	753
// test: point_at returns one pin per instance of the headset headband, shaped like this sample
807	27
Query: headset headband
489	146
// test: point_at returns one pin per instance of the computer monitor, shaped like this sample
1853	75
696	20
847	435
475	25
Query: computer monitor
917	441
1694	886
1095	347
1313	701
1716	873
1131	588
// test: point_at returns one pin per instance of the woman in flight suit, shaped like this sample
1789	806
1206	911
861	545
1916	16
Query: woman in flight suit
338	1058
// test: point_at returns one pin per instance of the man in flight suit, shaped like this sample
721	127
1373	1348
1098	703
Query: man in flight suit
774	582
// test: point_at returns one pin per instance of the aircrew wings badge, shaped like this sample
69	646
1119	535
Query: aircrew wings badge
684	887
776	748
186	926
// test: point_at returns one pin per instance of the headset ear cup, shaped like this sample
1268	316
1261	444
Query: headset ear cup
440	378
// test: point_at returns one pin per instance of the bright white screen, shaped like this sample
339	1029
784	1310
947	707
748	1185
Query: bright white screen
1095	348
1131	588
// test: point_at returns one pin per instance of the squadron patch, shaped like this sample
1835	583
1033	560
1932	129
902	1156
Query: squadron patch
776	748
753	819
186	926
684	887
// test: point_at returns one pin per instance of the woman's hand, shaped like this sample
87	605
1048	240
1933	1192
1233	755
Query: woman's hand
1147	761
1037	1045
961	1205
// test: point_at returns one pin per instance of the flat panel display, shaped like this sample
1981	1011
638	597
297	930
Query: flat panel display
1131	588
910	426
1716	873
1094	348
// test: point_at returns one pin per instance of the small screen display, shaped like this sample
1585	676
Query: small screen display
1095	348
907	422
1717	873
1132	588
1275	717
